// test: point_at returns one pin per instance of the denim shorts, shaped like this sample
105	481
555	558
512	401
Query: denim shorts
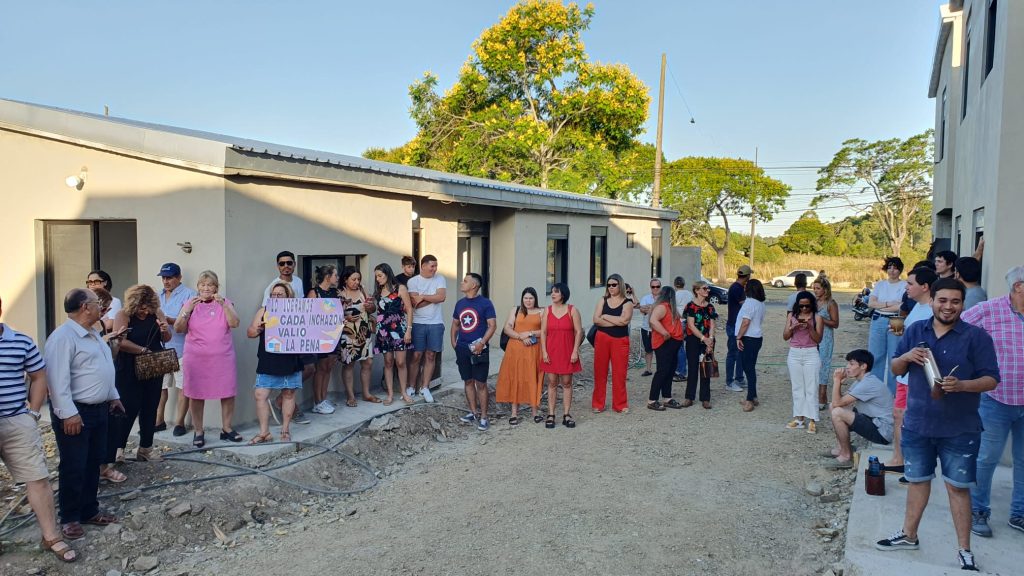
272	382
428	337
958	456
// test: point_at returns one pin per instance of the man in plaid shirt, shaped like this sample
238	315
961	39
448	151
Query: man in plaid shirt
1002	409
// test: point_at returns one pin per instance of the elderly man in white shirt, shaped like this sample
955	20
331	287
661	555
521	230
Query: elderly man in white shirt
80	378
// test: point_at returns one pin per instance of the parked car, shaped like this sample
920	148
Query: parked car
718	294
790	279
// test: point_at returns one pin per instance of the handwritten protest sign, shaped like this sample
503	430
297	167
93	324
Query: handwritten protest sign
302	325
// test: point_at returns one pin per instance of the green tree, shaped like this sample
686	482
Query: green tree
529	105
897	174
703	188
807	235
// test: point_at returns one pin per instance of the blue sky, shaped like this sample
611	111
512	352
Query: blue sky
793	78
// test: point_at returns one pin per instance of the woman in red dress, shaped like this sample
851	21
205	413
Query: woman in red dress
561	332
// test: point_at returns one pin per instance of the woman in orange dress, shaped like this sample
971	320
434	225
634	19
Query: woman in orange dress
520	378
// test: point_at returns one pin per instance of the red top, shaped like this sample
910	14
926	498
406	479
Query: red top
674	327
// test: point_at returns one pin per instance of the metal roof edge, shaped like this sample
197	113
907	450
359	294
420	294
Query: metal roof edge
948	15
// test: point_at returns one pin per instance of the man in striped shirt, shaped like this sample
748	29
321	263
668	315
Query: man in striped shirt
1002	409
21	446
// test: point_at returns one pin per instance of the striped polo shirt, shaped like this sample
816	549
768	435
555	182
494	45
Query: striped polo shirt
18	355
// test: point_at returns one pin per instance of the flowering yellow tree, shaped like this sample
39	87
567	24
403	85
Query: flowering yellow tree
530	107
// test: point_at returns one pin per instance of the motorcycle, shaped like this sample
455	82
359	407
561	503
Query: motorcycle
860	305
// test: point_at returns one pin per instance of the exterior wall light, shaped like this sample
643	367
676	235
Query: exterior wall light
77	181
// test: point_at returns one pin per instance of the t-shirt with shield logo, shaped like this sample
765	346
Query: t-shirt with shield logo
472	315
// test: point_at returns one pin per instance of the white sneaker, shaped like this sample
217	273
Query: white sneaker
427	395
410	392
331	404
324	408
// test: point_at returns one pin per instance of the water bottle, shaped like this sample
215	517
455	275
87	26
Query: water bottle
874	466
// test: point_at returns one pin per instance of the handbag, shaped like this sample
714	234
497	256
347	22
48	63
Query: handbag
503	339
709	366
592	334
155	364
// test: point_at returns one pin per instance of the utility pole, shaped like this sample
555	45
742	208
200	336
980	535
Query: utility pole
753	220
656	194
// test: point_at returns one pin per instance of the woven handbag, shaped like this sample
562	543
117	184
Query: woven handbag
155	364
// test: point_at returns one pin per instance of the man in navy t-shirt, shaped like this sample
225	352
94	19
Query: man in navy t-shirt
473	324
737	294
942	421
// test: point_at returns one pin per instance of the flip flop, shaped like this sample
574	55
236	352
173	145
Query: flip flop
261	438
373	399
839	465
102	519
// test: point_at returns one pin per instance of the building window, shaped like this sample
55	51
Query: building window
941	144
656	253
598	255
979	227
959	234
340	261
990	38
558	254
630	240
965	90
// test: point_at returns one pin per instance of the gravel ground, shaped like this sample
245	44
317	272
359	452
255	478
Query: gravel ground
689	491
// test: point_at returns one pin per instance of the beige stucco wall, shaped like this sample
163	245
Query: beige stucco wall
169	204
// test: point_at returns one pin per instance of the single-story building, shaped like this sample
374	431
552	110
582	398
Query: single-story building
85	191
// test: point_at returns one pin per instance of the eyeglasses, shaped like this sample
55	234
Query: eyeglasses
96	302
286	263
803	305
705	289
87	282
613	284
655	286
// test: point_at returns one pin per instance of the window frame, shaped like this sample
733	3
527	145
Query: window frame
556	247
598	256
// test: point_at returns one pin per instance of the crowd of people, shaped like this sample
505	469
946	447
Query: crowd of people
885	393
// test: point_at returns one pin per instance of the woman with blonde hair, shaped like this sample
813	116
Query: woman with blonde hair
274	372
700	316
611	345
145	329
209	374
828	309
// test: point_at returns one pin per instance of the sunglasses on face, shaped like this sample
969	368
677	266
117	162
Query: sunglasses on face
655	286
613	284
803	305
286	263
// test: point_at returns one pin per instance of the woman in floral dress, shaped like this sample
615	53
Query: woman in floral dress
357	337
394	331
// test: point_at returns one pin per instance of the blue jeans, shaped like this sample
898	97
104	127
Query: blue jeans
80	459
681	360
882	345
733	363
751	347
1000	420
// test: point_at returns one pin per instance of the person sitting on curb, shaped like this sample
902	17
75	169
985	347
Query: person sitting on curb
865	409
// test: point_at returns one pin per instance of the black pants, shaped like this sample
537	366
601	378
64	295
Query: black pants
666	355
80	459
141	399
694	348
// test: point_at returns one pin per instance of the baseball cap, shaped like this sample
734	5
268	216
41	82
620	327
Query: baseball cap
169	269
744	271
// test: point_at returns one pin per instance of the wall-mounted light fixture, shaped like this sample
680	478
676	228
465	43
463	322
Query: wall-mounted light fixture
186	247
77	181
415	215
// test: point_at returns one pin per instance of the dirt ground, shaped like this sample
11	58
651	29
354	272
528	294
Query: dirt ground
689	491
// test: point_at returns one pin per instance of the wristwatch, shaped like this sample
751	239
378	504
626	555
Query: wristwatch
35	414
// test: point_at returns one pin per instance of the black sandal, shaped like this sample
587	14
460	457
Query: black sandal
538	419
513	421
568	422
549	422
198	440
232	436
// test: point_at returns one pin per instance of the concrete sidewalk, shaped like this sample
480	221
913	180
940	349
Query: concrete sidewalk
322	426
873	518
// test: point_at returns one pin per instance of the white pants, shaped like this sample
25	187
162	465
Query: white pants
804	364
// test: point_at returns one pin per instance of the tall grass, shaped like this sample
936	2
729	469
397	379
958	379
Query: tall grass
843	271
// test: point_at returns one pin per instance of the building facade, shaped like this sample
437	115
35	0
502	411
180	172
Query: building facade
86	192
977	81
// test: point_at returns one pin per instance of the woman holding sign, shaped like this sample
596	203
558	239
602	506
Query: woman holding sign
326	287
357	337
206	321
274	372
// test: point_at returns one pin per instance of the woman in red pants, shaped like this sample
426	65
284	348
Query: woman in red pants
611	345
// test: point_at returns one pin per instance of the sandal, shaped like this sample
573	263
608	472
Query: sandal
389	401
59	548
513	421
549	422
351	403
111	475
373	399
408	399
261	438
537	418
285	436
72	530
198	440
568	422
232	436
102	519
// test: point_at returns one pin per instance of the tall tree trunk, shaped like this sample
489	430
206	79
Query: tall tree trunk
721	263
